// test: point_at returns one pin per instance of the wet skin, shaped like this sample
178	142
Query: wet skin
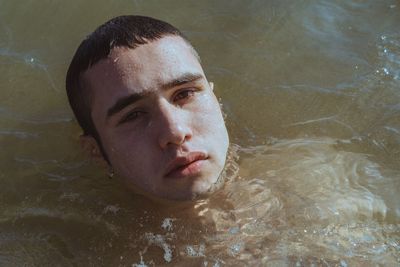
158	119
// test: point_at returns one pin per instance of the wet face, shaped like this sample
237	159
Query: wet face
158	119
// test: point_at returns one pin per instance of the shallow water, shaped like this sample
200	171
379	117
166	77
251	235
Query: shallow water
311	92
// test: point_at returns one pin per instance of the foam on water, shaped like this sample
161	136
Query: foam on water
159	240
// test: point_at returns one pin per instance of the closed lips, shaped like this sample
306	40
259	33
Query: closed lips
180	164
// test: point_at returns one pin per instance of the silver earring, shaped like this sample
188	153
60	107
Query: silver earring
110	172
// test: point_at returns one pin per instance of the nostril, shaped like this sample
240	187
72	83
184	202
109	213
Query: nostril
175	135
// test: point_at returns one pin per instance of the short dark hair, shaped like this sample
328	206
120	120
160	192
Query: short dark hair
123	31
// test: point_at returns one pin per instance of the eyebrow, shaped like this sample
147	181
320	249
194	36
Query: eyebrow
184	78
132	98
124	102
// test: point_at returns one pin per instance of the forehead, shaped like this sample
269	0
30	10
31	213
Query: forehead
146	67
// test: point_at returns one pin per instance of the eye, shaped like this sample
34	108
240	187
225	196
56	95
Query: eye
184	94
131	116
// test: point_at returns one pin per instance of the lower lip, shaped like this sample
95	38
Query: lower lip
191	169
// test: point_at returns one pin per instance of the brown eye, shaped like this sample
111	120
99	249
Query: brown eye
131	116
184	94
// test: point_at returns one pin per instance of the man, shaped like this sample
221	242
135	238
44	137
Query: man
139	93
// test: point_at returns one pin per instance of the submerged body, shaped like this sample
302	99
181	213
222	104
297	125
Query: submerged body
311	94
299	201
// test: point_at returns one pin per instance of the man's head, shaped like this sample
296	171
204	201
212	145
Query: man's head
138	91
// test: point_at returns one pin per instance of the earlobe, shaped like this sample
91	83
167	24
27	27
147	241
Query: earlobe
91	147
211	86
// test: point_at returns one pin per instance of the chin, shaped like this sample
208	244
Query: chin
205	188
196	191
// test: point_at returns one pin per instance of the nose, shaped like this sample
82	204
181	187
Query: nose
174	126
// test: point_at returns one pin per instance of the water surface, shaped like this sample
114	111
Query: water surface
311	92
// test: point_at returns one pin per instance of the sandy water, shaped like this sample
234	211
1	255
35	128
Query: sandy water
311	92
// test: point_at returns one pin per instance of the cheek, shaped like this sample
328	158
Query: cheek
123	146
132	160
209	119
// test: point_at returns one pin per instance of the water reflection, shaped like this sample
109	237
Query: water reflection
311	94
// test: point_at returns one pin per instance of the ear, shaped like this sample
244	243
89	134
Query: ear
91	147
211	86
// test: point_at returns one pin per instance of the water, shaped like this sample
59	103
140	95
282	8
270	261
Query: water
311	92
